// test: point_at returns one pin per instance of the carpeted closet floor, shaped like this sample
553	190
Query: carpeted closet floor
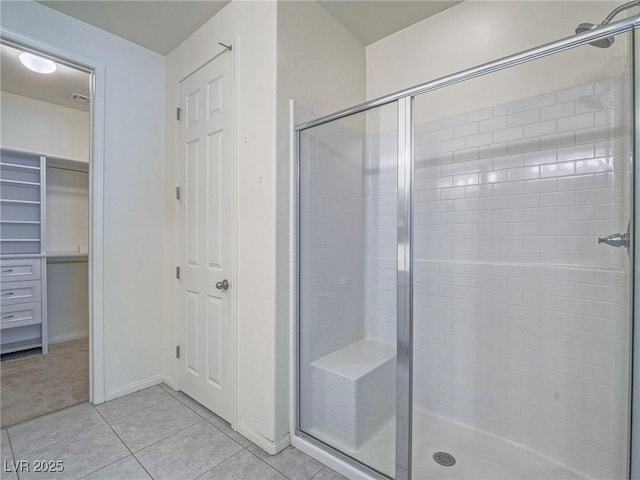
34	384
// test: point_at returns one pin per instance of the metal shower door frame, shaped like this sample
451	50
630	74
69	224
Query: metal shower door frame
405	101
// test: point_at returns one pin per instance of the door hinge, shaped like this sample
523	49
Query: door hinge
177	351
178	272
178	113
177	193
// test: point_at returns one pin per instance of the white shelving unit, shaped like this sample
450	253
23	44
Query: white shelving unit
22	248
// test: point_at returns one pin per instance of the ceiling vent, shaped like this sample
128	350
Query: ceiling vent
76	97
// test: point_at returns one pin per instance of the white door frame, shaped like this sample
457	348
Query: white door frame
96	199
177	335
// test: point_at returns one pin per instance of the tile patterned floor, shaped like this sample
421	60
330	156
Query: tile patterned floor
156	433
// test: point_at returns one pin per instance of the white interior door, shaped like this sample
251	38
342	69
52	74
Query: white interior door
206	236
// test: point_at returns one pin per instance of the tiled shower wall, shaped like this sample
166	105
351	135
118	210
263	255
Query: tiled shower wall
332	235
521	319
332	271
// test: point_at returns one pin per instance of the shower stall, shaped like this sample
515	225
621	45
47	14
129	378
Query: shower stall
464	270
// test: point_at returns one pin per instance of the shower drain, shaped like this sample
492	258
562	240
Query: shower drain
445	459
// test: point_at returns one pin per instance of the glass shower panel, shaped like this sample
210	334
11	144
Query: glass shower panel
347	272
522	312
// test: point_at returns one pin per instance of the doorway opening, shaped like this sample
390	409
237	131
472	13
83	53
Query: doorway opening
45	164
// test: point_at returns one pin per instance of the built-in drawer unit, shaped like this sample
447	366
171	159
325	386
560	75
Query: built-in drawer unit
20	292
20	315
20	269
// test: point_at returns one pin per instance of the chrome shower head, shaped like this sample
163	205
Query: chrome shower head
607	41
601	42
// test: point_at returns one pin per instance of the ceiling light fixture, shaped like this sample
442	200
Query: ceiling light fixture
37	64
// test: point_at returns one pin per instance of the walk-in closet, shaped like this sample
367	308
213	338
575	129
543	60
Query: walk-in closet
44	235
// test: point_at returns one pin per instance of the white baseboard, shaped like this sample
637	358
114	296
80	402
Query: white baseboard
68	337
134	387
170	381
265	444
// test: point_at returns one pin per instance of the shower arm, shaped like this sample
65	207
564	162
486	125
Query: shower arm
621	8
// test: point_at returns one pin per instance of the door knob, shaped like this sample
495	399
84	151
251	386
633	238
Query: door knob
223	285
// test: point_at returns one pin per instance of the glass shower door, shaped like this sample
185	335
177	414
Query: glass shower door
347	285
522	270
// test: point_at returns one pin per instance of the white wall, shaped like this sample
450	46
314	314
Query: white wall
67	231
474	32
251	28
67	301
133	185
41	127
321	65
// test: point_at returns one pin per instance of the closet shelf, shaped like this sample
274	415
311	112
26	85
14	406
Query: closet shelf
16	165
55	255
22	345
24	202
19	182
21	222
19	239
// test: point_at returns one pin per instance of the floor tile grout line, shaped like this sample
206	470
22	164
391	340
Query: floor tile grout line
207	418
50	414
172	434
125	446
200	420
189	406
13	455
220	463
318	472
225	460
229	436
137	411
272	466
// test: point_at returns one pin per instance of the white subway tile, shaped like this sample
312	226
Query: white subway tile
479	115
557	169
466	129
524	173
547	127
452	145
454	121
508	108
479	140
508	134
556	140
594	165
560	110
540	186
523	118
576	122
492	124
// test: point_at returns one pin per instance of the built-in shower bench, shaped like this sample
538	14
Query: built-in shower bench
353	391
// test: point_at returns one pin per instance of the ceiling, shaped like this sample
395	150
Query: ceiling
159	25
55	87
162	25
372	20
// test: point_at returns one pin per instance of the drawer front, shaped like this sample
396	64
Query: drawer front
12	293
20	315
20	269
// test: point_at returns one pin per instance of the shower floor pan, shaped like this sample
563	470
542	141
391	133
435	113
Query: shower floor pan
479	455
